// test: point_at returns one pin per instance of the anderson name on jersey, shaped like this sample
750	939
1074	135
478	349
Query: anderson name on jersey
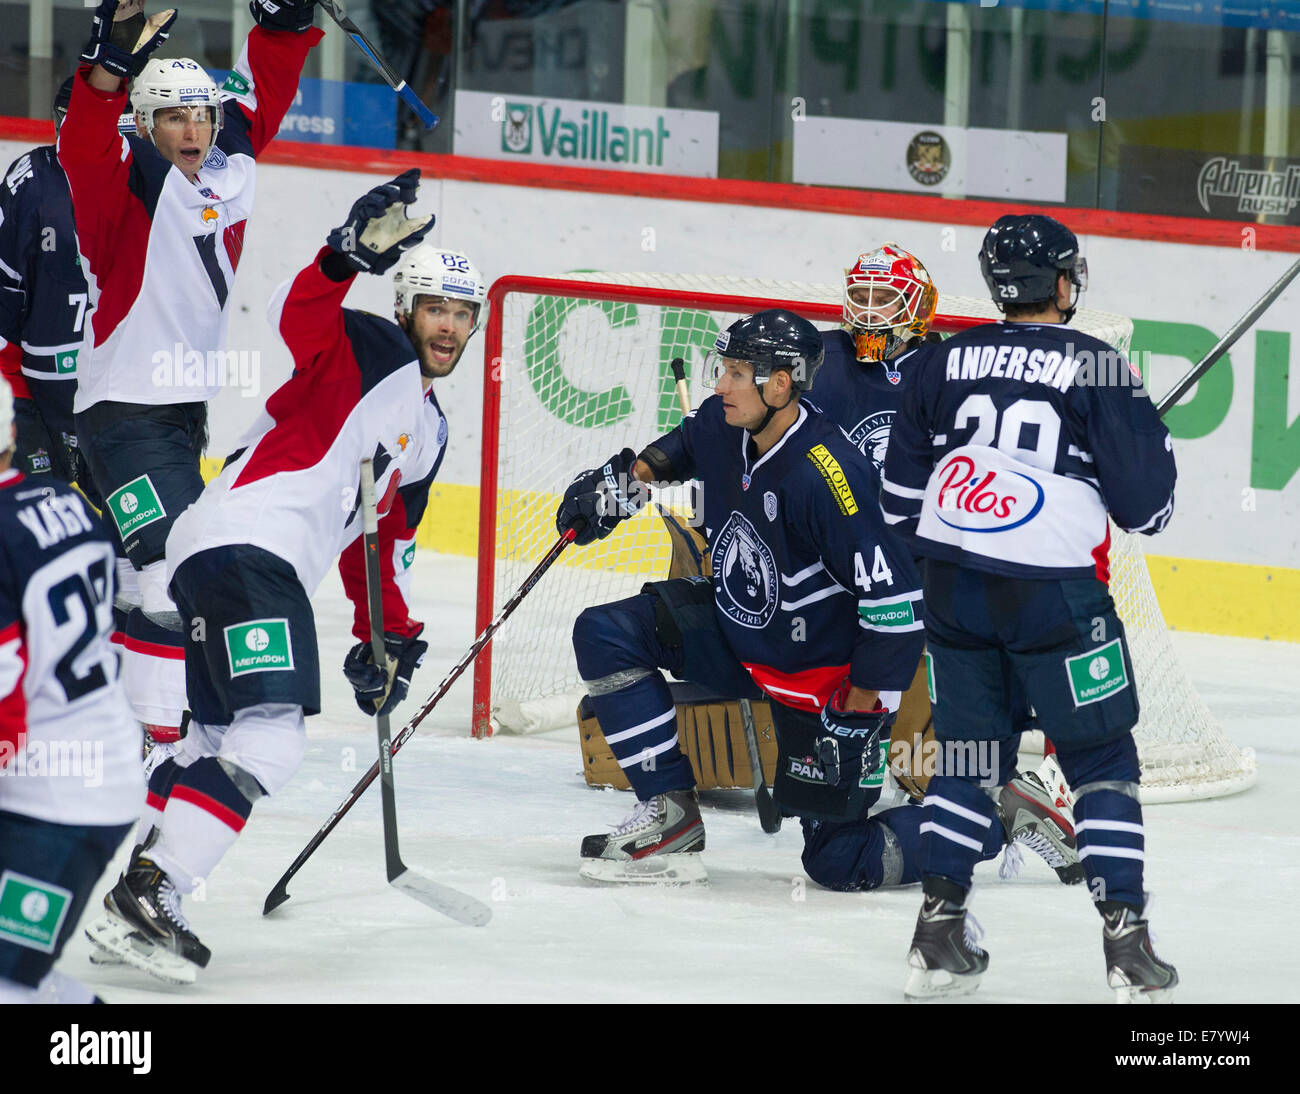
1013	443
146	233
293	485
809	583
69	747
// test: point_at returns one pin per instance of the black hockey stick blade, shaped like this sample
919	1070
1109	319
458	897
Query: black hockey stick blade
769	814
276	896
442	898
335	10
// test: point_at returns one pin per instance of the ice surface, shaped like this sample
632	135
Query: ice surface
502	820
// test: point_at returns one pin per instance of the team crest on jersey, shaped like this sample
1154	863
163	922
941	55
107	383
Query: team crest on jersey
769	505
442	431
210	214
748	590
893	375
871	436
216	159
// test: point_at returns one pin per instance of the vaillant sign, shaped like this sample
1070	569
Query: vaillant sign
574	133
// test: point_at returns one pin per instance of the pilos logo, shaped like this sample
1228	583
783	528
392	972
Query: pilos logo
978	500
929	158
1255	190
31	911
259	646
571	132
1098	673
135	505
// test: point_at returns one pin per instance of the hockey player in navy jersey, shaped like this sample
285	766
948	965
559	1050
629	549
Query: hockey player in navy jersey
890	302
43	308
160	223
1013	444
70	779
245	559
813	603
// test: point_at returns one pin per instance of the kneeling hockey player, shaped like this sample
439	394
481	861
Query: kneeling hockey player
813	604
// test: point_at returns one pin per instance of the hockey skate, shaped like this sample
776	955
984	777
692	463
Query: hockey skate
1043	822
658	844
144	927
945	958
1133	970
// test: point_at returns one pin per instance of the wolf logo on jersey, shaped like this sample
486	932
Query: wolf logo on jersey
748	590
871	436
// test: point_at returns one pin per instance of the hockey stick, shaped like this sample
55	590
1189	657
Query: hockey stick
1228	340
769	814
280	893
335	10
439	897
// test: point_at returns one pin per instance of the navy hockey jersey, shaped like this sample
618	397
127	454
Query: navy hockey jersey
809	584
69	745
861	398
43	296
1013	443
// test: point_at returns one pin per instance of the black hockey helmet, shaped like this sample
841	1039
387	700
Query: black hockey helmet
1022	255
769	340
61	100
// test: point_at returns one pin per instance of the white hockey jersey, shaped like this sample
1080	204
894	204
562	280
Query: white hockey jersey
158	251
293	486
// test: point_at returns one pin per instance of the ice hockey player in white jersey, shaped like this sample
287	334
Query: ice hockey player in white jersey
1014	443
246	558
70	779
160	223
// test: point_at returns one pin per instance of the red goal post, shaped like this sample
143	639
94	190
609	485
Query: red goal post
577	368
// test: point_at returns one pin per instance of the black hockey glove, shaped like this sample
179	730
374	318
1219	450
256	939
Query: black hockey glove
291	15
377	693
602	497
851	749
111	50
378	230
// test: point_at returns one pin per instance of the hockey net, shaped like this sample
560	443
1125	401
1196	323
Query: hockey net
576	370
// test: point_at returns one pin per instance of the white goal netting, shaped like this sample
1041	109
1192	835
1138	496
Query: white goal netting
581	378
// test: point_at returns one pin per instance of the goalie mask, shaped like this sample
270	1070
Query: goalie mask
889	300
176	82
427	270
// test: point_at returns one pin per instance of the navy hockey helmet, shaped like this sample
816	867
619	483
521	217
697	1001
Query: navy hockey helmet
769	340
1022	255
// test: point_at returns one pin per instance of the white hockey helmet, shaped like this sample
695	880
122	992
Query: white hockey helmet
427	270
171	82
6	415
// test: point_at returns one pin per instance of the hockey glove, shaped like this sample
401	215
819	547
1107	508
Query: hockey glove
377	230
850	751
377	692
109	50
290	15
602	497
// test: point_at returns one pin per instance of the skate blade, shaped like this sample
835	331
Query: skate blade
128	946
923	984
682	868
1136	994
